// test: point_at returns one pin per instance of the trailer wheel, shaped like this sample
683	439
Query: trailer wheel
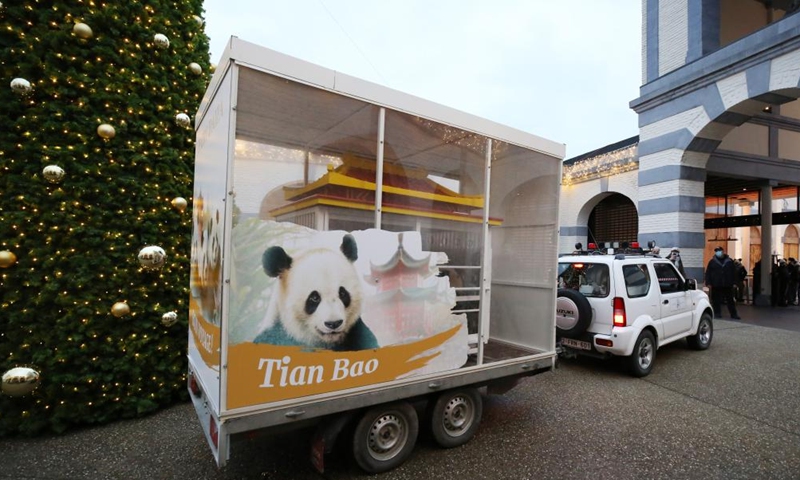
385	436
455	417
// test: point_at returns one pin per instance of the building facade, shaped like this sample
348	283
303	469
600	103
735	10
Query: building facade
717	160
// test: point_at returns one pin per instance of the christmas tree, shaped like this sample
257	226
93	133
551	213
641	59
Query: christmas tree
96	166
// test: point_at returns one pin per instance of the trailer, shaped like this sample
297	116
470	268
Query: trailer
360	255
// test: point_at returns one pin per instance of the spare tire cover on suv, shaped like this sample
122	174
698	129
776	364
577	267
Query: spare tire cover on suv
573	313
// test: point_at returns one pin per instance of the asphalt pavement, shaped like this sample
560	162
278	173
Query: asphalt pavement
731	412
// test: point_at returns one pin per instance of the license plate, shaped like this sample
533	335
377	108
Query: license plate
579	344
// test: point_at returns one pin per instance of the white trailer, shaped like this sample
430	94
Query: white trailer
357	252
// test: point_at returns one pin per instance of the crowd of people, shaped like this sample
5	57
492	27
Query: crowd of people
785	282
726	279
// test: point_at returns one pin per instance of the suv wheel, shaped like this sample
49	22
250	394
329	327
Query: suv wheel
643	356
573	313
705	332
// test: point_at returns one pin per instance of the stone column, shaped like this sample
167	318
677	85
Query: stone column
764	297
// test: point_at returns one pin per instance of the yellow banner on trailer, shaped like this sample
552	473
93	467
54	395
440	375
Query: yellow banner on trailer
269	373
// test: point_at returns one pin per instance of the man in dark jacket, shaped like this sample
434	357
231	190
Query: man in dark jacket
720	277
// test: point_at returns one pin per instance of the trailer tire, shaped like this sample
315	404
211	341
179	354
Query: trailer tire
385	437
573	313
455	416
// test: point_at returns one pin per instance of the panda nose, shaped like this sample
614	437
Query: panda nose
334	324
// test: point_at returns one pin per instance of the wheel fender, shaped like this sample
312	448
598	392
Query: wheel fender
698	313
636	328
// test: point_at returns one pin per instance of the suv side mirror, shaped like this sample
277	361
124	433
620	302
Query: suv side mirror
691	284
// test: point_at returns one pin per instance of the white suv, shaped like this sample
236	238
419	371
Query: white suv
628	304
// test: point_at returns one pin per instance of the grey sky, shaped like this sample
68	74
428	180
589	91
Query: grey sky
563	70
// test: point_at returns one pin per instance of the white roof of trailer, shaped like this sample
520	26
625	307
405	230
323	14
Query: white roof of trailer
261	58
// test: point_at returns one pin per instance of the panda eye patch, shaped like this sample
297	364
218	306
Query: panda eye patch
344	296
312	302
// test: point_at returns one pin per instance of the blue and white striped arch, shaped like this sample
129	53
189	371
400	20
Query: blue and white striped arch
678	135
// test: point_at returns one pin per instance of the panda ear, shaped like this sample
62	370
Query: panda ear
349	248
275	261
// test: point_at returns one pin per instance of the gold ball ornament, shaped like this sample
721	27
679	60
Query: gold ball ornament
106	131
161	40
20	381
183	120
169	319
179	203
7	259
53	173
21	86
152	257
120	309
199	20
81	30
195	68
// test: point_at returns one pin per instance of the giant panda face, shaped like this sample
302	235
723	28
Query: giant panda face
319	294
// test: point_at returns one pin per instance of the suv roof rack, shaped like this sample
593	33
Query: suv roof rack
623	256
621	251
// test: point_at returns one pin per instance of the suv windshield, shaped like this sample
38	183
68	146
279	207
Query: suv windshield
591	279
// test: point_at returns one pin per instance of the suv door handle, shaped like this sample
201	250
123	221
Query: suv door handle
665	302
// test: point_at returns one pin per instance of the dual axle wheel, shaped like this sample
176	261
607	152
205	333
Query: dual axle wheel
385	435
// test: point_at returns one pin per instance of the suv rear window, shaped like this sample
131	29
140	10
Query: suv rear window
591	279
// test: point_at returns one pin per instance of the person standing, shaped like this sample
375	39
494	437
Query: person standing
720	277
794	276
783	282
756	280
675	258
741	275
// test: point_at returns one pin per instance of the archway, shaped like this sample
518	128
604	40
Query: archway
614	219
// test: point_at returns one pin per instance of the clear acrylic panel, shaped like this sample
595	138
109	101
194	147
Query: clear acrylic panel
298	149
524	195
433	183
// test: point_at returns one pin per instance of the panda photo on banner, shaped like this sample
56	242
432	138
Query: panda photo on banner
335	290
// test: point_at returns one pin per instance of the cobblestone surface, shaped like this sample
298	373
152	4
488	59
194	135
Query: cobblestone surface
730	412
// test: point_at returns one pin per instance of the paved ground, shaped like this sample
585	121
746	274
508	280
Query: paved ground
727	413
